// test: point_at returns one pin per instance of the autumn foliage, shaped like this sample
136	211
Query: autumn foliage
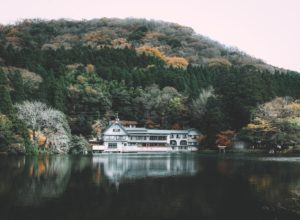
173	61
224	138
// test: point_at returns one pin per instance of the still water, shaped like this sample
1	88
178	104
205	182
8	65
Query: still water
140	187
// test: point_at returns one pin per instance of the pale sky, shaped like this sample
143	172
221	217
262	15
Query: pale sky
266	29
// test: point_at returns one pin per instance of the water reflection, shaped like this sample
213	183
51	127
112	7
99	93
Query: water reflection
47	178
120	168
166	186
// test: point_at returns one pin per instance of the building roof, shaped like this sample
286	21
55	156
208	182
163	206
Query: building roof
124	122
146	131
135	130
154	131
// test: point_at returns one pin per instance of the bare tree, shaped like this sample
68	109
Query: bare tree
46	121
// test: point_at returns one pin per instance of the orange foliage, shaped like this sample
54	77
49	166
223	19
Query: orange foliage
262	182
81	78
90	68
224	138
219	61
41	168
73	66
30	173
179	62
153	51
97	37
42	138
294	106
120	43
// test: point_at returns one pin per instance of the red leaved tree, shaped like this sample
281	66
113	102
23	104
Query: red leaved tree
224	138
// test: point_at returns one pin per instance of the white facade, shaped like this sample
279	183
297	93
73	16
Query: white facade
121	139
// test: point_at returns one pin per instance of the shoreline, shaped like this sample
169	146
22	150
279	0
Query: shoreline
253	152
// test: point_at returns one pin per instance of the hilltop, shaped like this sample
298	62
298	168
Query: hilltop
175	44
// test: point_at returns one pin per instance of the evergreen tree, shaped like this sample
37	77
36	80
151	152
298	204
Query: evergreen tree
5	99
18	93
213	121
59	98
19	128
5	132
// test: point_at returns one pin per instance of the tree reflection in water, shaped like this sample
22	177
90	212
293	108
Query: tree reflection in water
47	178
166	186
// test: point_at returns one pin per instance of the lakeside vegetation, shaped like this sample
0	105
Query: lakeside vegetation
159	74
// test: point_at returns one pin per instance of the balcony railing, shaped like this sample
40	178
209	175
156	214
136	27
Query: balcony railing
114	138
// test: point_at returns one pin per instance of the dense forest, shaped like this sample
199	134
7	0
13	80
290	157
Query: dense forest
159	74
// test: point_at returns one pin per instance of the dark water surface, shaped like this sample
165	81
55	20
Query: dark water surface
141	187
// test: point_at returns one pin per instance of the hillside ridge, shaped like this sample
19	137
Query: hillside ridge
175	44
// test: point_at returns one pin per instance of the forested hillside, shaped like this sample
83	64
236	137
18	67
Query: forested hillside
160	74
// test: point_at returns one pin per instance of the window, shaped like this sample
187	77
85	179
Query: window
177	136
116	130
112	145
184	136
172	136
120	138
183	142
173	142
160	138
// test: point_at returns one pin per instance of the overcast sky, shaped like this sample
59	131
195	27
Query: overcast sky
266	29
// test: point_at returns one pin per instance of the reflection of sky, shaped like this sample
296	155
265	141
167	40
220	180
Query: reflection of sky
118	168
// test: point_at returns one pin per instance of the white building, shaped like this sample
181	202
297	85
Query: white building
118	138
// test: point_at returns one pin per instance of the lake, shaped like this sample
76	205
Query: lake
150	186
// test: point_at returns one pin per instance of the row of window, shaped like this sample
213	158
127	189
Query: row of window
152	138
114	138
138	138
174	143
161	138
154	145
178	136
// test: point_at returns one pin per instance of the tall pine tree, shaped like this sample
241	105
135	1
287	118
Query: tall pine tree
18	93
5	99
59	98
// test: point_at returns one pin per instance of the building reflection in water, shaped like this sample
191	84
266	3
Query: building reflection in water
168	183
121	168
